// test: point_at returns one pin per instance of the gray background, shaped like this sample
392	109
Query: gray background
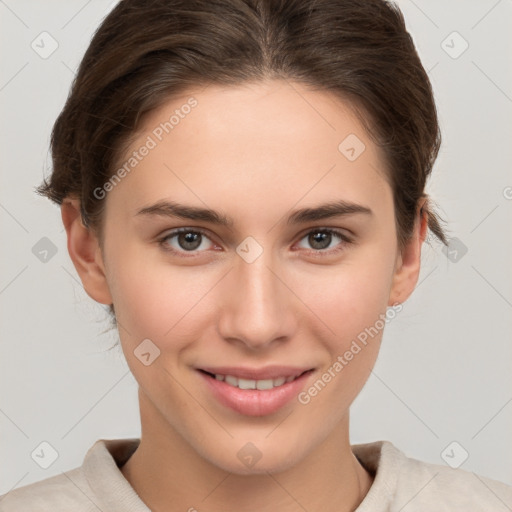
444	371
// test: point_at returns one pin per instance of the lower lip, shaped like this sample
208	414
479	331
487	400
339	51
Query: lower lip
255	402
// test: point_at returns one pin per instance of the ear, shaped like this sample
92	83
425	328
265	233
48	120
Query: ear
85	252
408	264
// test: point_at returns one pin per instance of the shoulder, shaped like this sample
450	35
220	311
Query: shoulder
64	492
98	484
405	484
420	485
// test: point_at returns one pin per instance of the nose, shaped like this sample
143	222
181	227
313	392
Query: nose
258	308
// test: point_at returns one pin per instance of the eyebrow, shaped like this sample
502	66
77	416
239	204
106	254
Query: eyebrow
320	212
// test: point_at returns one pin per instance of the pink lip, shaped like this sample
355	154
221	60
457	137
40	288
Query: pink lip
254	402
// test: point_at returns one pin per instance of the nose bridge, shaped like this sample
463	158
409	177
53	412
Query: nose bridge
257	309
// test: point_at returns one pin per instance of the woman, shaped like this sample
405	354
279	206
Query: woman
243	183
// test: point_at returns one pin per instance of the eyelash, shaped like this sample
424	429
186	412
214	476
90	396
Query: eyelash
317	252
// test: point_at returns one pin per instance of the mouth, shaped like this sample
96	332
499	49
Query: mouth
255	392
261	384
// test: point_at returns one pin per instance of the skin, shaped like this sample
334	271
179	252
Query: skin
266	149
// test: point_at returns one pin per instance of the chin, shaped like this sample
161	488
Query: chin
249	460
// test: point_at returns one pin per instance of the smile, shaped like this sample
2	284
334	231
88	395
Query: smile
254	384
254	392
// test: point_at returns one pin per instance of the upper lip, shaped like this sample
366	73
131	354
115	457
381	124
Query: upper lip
268	372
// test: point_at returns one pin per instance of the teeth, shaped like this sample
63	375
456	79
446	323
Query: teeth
279	381
233	381
246	384
254	384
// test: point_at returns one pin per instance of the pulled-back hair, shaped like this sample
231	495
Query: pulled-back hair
145	52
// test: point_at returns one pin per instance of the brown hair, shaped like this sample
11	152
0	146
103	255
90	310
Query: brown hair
147	51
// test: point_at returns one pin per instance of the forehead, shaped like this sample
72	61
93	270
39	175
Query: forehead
268	115
274	140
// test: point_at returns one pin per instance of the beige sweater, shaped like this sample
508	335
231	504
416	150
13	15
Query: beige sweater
401	484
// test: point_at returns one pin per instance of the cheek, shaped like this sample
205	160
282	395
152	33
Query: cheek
352	303
350	297
156	301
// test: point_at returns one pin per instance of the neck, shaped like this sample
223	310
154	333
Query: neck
169	475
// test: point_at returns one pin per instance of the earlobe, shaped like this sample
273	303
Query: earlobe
408	263
85	252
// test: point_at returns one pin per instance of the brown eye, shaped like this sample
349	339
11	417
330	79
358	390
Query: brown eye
321	240
186	240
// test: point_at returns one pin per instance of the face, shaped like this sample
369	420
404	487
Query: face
271	293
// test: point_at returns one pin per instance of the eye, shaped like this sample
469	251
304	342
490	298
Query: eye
188	240
320	239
